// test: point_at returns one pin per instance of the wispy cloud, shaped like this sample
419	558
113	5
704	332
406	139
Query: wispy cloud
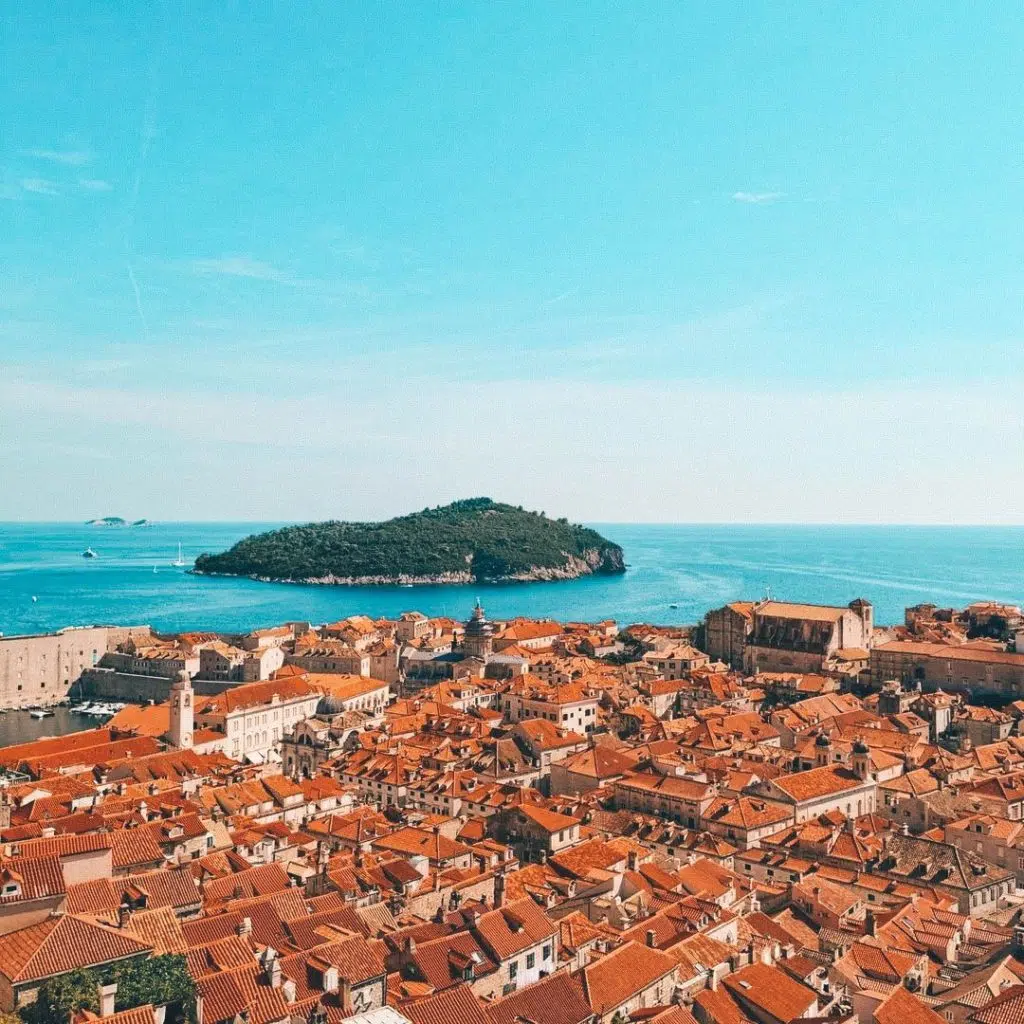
758	197
556	299
68	157
242	266
95	185
40	186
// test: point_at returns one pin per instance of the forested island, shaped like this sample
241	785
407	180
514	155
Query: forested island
473	540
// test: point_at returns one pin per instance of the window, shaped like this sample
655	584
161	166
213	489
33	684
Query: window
531	961
513	970
547	952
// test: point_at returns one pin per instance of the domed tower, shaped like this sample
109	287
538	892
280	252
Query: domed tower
861	759
822	750
478	640
182	712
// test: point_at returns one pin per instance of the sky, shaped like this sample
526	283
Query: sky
679	262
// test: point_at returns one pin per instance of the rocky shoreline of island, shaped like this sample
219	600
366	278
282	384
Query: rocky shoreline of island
574	568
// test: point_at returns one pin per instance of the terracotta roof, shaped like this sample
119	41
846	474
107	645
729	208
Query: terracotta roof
514	927
950	652
900	1007
549	821
558	999
1005	1008
251	695
814	612
257	881
222	955
770	991
453	1006
410	841
103	895
136	1015
615	978
599	762
36	878
135	847
440	961
62	846
227	994
718	1008
818	782
145	720
62	944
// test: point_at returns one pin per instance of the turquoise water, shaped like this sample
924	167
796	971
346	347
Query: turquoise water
692	567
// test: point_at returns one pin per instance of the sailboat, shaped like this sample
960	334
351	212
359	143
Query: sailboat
179	562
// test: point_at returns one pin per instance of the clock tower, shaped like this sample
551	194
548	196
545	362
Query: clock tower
182	712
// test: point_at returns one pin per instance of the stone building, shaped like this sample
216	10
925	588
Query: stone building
41	668
726	631
964	669
788	637
313	741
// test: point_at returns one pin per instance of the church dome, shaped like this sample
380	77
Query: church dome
478	624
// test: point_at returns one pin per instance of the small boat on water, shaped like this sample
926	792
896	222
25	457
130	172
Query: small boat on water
89	553
179	562
99	709
41	713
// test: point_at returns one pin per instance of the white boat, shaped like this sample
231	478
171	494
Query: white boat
89	553
179	562
41	713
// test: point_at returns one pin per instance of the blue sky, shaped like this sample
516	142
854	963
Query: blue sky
672	262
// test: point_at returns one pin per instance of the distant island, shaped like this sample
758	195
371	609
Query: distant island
116	521
469	541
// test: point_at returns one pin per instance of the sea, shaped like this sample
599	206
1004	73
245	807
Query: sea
676	573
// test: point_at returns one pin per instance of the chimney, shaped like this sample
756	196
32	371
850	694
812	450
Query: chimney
713	979
274	972
652	938
107	994
48	832
244	927
124	912
632	861
288	990
869	922
410	946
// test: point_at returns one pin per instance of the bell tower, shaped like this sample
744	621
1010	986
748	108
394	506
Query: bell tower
182	712
478	639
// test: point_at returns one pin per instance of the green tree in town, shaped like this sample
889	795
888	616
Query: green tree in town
61	996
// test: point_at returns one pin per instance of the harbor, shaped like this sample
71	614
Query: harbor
21	726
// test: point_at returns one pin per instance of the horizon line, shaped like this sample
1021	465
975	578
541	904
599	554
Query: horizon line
591	522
